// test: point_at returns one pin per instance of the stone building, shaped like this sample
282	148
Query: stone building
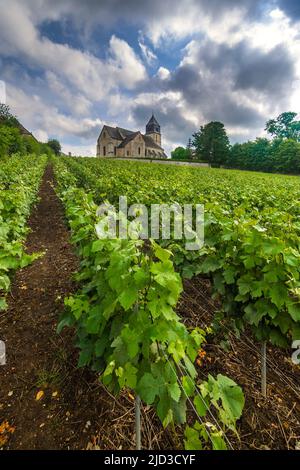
118	142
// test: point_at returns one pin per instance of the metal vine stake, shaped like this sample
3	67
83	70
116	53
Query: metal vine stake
264	369
2	353
137	406
137	409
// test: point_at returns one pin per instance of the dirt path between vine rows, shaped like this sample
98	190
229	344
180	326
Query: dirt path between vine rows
28	329
73	410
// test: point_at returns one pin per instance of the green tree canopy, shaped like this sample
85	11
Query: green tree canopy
6	118
251	155
211	143
180	153
284	126
55	146
11	141
287	157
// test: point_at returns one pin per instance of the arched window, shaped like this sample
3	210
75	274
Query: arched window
104	151
104	134
139	150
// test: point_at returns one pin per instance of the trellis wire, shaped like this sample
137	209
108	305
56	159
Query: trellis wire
252	346
203	401
192	404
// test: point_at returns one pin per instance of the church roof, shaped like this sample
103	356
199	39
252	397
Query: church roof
153	120
117	132
152	126
125	132
150	142
113	132
129	137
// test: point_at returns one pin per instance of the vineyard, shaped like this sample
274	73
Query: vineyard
19	183
192	348
251	247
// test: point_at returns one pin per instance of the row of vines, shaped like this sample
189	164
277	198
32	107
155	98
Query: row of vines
251	254
127	327
252	248
20	177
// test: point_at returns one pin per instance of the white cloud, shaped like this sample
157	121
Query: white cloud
35	114
148	54
118	104
77	103
41	135
90	75
124	65
80	150
2	92
189	18
163	73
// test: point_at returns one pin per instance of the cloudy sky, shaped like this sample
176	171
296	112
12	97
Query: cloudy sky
70	66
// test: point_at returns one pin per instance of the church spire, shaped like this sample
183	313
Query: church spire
152	126
153	130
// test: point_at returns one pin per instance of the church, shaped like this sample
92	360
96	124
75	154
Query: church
118	142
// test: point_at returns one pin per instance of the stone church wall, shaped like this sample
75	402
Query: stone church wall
106	145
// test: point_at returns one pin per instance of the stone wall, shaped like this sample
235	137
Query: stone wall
107	146
154	152
135	148
156	137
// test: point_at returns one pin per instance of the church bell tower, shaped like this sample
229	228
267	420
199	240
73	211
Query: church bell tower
153	130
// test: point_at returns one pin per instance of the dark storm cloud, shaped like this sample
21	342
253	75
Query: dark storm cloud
269	72
219	71
215	81
108	12
253	8
291	8
250	67
173	124
212	98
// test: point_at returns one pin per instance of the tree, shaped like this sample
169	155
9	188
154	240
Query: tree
6	118
180	153
11	141
32	145
239	156
55	146
284	126
287	157
251	155
211	143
